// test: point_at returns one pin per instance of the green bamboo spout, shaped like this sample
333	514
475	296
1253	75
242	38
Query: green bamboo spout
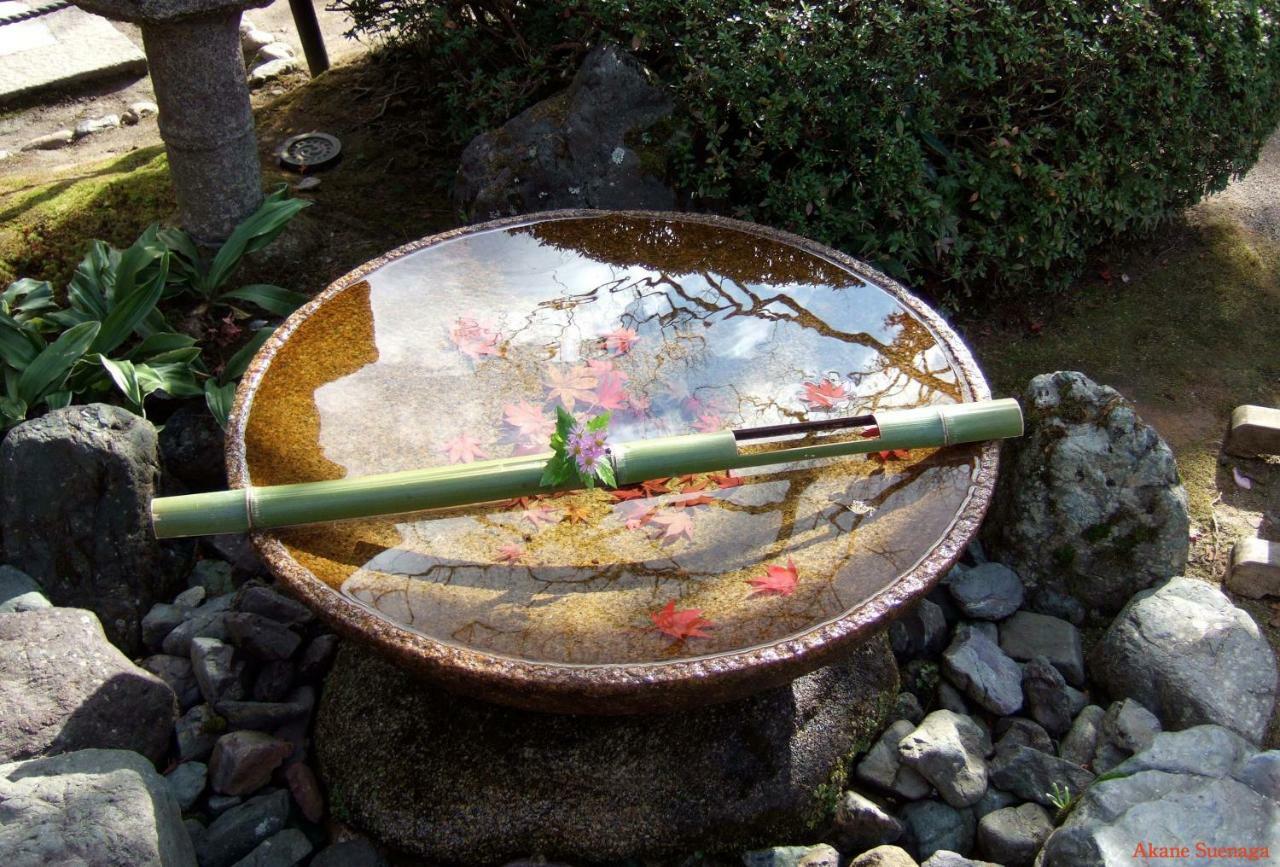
263	508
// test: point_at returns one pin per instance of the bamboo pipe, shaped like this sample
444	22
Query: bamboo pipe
264	508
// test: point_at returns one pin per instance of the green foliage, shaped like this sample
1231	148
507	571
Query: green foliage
208	280
988	143
561	467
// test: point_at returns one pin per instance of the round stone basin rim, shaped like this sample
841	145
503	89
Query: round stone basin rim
625	687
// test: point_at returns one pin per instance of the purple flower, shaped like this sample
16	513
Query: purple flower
586	448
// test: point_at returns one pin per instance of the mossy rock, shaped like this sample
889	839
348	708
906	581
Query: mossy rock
458	780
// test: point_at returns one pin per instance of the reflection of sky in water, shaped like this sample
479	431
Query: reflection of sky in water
708	344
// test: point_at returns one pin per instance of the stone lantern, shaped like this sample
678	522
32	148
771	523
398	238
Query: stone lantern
197	69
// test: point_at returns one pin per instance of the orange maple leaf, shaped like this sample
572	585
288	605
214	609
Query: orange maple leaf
686	623
699	500
653	487
823	395
728	480
631	492
780	580
576	514
463	449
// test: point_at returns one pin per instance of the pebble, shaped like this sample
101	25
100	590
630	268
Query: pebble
274	681
242	761
240	829
260	75
262	637
1012	836
1032	775
1026	635
253	40
197	731
949	751
983	672
306	791
907	707
929	826
256	599
309	183
883	767
990	591
137	111
187	781
272	51
1018	732
316	659
284	849
994	799
92	125
1082	740
51	141
192	597
358	852
1046	696
821	855
177	672
218	671
922	631
214	576
884	856
860	823
207	621
162	619
221	803
1130	726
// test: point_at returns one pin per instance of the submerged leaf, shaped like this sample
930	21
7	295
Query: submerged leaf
779	580
686	623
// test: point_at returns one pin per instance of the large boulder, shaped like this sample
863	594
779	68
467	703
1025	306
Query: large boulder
1190	789
77	485
1187	654
458	780
64	687
90	807
1089	501
583	148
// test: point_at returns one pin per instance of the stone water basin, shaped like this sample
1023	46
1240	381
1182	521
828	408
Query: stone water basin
459	346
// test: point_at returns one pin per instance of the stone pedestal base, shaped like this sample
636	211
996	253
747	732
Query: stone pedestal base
458	780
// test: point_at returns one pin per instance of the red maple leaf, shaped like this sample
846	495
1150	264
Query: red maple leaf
708	422
653	487
685	623
888	454
463	449
510	553
635	514
672	526
628	493
609	394
532	423
689	502
779	581
620	340
728	480
823	395
474	339
570	386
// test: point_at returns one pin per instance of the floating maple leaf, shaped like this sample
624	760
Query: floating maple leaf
686	623
539	516
673	525
620	341
474	339
779	581
511	553
570	386
609	394
823	395
708	422
463	449
529	420
637	405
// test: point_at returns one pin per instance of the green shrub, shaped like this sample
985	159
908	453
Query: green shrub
988	143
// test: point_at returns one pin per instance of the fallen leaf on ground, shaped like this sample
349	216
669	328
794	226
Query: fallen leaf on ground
510	553
1241	479
540	516
688	502
728	480
780	580
679	624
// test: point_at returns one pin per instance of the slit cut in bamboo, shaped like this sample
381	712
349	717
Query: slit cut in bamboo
275	506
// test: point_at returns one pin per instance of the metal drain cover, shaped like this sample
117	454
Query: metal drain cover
310	152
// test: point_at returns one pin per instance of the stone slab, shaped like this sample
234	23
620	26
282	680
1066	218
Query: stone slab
457	780
61	49
1255	568
1255	430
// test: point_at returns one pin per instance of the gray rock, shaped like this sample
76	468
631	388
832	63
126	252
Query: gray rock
861	823
988	629
1014	835
177	672
994	799
349	853
253	40
1019	732
90	807
884	856
219	804
272	51
821	855
195	830
741	774
1082	740
1078	699
1027	635
1190	656
77	486
1046	696
929	826
1033	775
268	714
217	670
274	681
949	698
976	665
162	619
307	184
242	761
137	111
1106	756
318	656
1089	498
91	125
1182	791
262	637
573	150
215	576
186	782
1052	602
1129	726
256	599
1262	774
920	632
197	731
192	597
990	591
883	767
271	70
907	707
943	858
207	621
50	141
305	789
191	446
239	830
948	750
283	849
237	549
20	592
64	687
